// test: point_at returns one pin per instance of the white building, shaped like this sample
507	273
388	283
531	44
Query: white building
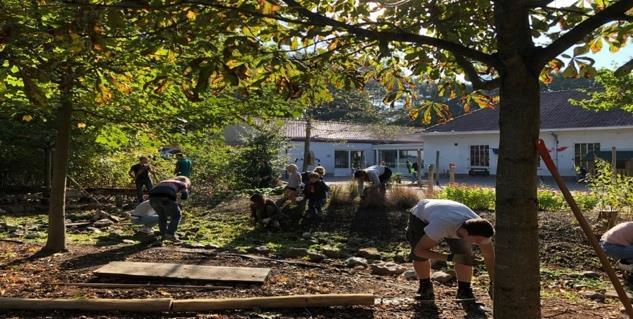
342	147
572	133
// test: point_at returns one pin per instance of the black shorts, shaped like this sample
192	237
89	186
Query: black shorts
415	232
384	177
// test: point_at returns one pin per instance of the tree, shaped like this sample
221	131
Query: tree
490	42
615	92
348	106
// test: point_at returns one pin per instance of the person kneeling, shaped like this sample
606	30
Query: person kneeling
434	220
316	194
145	215
264	212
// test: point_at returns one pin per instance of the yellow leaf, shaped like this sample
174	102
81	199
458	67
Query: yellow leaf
596	45
81	125
27	118
191	15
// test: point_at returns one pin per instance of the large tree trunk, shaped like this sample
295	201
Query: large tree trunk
56	241
517	279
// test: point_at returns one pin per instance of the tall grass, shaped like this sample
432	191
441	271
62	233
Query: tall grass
344	194
403	197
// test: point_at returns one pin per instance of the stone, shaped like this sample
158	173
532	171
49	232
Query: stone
306	235
316	257
410	275
129	241
590	274
94	230
387	269
331	253
192	245
369	253
101	223
294	252
442	277
598	296
211	246
438	264
356	261
260	249
126	215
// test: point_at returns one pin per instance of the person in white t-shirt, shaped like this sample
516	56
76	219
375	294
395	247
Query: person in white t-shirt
377	175
145	215
617	243
435	220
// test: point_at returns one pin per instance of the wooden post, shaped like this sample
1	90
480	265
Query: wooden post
451	172
299	301
437	167
542	150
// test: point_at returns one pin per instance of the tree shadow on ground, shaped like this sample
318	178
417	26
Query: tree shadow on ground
105	256
426	310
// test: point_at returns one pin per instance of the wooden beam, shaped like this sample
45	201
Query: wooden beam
132	305
133	286
298	301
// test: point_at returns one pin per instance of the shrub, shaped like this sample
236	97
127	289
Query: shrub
477	198
550	201
613	193
403	197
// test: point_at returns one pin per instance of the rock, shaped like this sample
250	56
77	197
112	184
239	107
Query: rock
211	246
192	245
306	235
594	295
294	252
94	230
387	269
442	277
129	241
410	275
126	215
356	261
438	264
590	274
101	223
331	253
316	257
369	253
400	259
261	250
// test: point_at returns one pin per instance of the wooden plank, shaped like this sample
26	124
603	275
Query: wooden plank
298	301
183	271
133	286
135	305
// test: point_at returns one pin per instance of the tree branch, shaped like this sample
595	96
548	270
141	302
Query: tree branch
321	20
612	13
473	76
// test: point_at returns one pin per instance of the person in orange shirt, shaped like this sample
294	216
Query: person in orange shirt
617	243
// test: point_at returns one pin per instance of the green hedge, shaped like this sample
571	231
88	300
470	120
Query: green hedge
480	198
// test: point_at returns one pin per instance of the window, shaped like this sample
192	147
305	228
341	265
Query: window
580	153
480	155
341	159
388	158
358	159
407	155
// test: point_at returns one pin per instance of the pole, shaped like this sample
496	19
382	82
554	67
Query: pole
613	164
420	167
542	150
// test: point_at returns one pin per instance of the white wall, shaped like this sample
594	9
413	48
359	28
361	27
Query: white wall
324	151
459	154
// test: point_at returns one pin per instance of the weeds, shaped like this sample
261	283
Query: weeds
403	198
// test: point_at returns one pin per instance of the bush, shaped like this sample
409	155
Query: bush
612	193
477	198
403	197
550	201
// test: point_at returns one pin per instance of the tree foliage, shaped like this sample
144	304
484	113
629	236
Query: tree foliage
613	92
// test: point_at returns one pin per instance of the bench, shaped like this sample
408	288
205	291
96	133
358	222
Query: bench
478	171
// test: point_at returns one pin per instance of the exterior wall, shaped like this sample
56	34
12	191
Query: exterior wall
459	154
324	151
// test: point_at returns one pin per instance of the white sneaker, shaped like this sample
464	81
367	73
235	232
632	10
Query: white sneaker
625	267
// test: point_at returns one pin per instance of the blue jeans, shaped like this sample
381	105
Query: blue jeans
314	207
139	187
166	209
618	251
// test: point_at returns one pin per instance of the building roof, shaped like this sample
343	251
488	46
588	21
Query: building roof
556	113
367	133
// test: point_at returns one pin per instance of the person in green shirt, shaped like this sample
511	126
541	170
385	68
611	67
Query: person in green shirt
183	165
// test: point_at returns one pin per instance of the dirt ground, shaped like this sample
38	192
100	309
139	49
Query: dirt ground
565	255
